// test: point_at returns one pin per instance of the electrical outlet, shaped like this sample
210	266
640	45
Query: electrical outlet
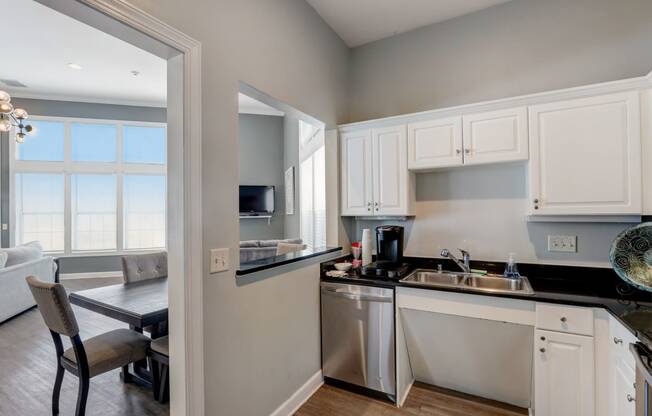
219	260
562	243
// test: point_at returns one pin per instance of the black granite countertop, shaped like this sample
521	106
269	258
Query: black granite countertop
270	262
582	286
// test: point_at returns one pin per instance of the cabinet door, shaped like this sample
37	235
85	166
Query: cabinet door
357	173
495	136
585	156
390	177
435	143
563	374
624	391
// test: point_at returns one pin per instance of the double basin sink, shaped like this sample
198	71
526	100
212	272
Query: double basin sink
470	281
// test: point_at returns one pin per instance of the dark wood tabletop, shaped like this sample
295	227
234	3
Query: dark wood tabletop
139	304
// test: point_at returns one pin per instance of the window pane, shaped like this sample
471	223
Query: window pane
93	142
144	211
39	209
144	144
319	192
306	195
44	143
94	205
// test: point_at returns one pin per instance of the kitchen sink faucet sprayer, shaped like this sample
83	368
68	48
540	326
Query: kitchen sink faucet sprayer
465	264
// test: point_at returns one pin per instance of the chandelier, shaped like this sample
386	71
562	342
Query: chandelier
13	117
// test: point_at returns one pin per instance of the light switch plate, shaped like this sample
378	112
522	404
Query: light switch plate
562	243
219	260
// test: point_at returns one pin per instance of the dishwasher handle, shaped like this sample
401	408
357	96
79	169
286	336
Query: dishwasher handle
356	296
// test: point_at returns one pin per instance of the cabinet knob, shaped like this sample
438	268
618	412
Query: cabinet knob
467	151
543	338
630	398
542	349
536	207
618	340
458	151
376	204
563	319
536	200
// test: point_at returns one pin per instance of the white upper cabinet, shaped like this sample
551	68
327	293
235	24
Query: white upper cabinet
390	177
357	191
435	143
585	156
495	136
375	178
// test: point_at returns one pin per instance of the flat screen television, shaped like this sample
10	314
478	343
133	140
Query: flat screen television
256	200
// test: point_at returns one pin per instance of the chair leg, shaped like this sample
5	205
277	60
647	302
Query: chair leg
82	396
156	376
126	376
57	389
163	391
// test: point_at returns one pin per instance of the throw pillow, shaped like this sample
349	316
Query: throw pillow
23	253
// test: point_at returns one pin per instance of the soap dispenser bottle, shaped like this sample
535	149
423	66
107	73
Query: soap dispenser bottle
511	271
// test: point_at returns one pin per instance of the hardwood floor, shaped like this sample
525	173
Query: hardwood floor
27	369
423	400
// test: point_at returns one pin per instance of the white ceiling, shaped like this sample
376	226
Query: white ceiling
363	21
40	43
249	105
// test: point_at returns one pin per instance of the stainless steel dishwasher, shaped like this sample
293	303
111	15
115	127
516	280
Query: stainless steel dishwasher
357	335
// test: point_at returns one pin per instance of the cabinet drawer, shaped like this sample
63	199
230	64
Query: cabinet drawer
562	318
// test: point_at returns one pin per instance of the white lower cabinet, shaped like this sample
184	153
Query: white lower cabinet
564	381
624	393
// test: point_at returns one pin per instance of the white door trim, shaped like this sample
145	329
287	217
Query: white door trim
184	209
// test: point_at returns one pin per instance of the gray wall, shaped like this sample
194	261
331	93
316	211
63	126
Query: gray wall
519	47
261	163
79	110
261	339
482	209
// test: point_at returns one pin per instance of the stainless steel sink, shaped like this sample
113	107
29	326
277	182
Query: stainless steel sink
470	281
429	277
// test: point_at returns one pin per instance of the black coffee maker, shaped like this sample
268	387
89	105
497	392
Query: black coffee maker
389	246
389	254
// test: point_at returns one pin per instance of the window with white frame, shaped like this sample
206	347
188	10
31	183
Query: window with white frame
83	186
312	178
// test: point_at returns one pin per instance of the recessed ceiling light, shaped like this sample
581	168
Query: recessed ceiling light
73	65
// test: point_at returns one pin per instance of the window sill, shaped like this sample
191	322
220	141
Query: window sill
61	255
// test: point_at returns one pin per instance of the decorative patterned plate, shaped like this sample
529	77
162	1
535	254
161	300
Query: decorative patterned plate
631	256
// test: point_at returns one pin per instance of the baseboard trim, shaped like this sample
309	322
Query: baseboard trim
401	400
93	275
299	397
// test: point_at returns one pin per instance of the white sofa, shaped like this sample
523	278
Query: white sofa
15	296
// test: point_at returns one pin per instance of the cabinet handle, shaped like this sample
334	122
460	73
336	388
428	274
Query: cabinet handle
542	349
630	398
618	340
563	319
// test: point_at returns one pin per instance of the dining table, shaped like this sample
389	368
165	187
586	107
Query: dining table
141	305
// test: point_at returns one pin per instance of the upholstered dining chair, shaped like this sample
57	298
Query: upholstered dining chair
285	248
85	359
158	357
138	267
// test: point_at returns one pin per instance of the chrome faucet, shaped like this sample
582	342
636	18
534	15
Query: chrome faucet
465	264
